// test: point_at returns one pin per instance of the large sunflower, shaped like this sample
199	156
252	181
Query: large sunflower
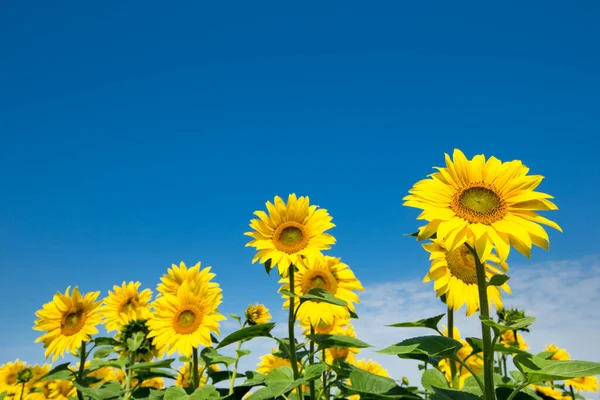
175	277
125	304
323	272
290	231
68	321
491	202
584	384
182	322
454	275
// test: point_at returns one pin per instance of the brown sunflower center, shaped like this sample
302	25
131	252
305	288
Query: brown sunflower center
187	320
72	322
319	279
129	306
479	203
290	237
461	264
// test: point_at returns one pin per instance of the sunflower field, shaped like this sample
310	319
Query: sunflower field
473	213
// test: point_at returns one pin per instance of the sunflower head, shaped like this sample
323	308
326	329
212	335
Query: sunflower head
125	304
369	366
147	351
513	339
289	232
326	273
559	354
272	361
182	322
488	202
257	314
584	384
337	327
68	320
344	354
184	377
547	392
196	278
454	275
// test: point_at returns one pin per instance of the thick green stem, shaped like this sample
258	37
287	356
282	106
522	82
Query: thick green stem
235	366
325	388
195	376
23	391
81	368
486	332
311	360
291	324
451	336
504	357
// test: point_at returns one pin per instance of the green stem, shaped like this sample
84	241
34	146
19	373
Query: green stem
23	390
517	390
504	357
196	378
235	366
291	323
572	392
325	388
129	378
311	359
451	336
81	368
465	366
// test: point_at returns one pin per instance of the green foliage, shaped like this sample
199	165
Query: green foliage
326	341
536	369
418	347
431	323
261	330
109	390
433	377
513	326
212	356
498	280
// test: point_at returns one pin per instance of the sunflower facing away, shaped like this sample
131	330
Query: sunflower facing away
182	322
328	273
454	275
289	232
125	304
68	320
175	276
269	362
464	353
508	339
490	202
584	384
257	314
369	366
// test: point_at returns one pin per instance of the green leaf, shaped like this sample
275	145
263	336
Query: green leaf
175	393
262	394
236	317
538	369
219	376
153	364
107	391
254	378
424	345
242	353
322	296
106	341
325	341
515	325
498	280
205	392
314	371
213	339
371	386
477	345
353	315
472	386
97	363
268	267
451	394
261	330
212	356
281	381
103	352
517	376
143	375
136	341
503	392
61	371
430	323
433	377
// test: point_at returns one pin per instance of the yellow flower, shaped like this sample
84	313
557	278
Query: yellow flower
184	378
61	390
328	273
507	339
584	384
36	383
336	328
155	383
8	374
125	304
547	391
369	366
185	321
342	354
257	314
290	231
559	354
176	276
454	274
68	320
474	362
493	203
269	362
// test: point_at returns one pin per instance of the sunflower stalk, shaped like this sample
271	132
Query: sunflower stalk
451	336
195	376
312	361
81	368
291	323
235	365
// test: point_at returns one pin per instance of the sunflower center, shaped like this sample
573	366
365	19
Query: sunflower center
187	320
290	237
461	264
479	203
319	279
129	306
72	322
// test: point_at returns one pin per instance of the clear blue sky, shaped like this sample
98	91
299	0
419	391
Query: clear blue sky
138	134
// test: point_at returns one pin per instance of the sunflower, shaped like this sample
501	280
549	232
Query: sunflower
35	383
62	390
337	327
124	305
68	321
369	366
182	322
455	275
328	273
549	392
8	375
491	202
184	378
257	314
464	353
154	383
508	339
175	277
339	353
584	384
559	354
269	362
290	231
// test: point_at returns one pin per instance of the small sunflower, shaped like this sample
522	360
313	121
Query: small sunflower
176	276
584	384
454	274
290	231
182	322
154	383
491	202
125	304
62	390
464	353
68	321
269	362
549	392
369	366
337	327
328	273
346	355
8	374
36	383
559	354
184	378
257	314
508	339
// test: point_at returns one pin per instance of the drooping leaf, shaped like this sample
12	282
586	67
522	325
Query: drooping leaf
424	346
323	296
538	369
220	376
153	364
498	280
254	378
433	377
513	326
268	267
430	323
61	371
260	330
205	392
325	341
451	394
108	391
143	375
212	356
242	353
106	341
236	317
103	352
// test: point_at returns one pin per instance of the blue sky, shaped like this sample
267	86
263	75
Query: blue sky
136	135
